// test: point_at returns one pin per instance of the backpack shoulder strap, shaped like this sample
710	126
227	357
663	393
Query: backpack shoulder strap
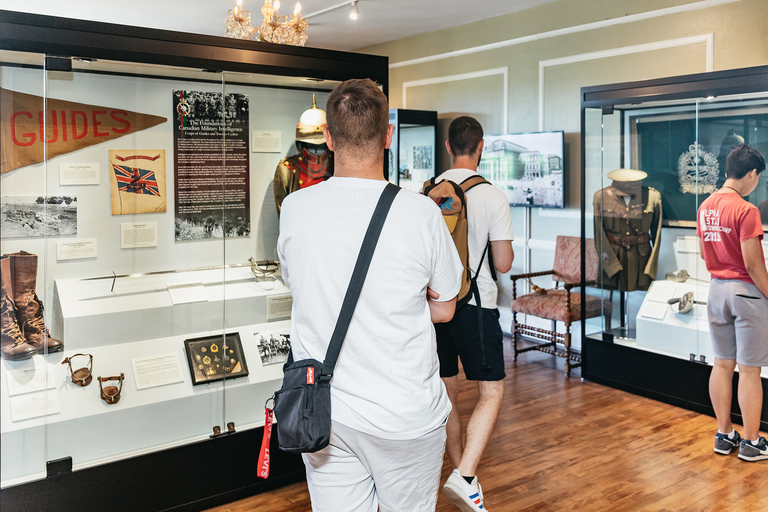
472	182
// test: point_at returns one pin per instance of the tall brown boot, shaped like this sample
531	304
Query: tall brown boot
13	345
30	307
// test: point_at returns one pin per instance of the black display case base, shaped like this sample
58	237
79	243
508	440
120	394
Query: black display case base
187	478
678	382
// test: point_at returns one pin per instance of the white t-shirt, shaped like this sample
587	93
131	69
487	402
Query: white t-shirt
386	382
488	218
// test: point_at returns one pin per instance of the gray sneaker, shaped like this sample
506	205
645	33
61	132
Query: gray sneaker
753	452
724	445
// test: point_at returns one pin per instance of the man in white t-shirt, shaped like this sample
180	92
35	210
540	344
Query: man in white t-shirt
388	404
489	220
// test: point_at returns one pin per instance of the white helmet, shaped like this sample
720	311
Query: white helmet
310	127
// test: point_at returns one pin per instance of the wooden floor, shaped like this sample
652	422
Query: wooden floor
572	445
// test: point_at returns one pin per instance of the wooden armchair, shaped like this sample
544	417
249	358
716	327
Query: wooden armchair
558	305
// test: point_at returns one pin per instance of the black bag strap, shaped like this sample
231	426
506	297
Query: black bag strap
358	278
475	291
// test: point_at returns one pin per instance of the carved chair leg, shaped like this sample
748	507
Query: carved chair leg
567	343
514	333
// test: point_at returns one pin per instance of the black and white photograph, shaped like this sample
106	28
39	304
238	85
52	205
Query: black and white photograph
528	167
31	216
273	347
422	157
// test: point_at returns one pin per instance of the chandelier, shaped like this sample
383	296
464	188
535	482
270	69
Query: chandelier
275	28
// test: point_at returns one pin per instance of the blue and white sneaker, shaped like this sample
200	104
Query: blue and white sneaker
468	497
753	452
725	445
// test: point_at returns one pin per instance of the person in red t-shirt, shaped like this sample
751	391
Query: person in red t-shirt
730	234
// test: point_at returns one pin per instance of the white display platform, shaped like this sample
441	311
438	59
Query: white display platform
89	313
675	334
92	432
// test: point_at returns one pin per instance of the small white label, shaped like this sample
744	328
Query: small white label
79	174
186	293
79	249
149	372
266	142
33	405
133	235
29	376
279	307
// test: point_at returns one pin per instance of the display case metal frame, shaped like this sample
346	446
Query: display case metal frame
170	479
679	382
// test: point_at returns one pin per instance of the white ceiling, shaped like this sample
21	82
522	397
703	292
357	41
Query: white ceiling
380	20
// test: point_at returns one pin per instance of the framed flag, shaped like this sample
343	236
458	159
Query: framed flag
137	178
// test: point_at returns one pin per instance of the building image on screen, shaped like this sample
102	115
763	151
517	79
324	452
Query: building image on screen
527	167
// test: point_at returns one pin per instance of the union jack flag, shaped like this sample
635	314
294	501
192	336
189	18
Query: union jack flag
135	180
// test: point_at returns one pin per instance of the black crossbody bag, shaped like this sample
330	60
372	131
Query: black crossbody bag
303	403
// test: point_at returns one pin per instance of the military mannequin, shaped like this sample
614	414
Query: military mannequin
312	164
627	231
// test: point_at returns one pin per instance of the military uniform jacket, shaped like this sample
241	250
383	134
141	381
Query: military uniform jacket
292	174
627	238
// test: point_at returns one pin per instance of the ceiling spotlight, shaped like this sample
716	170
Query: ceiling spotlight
353	13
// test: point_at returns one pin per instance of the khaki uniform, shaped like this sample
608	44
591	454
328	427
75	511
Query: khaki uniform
627	238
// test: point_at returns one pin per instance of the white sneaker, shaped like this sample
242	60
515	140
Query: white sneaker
468	497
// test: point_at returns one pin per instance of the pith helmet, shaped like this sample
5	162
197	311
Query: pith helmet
310	127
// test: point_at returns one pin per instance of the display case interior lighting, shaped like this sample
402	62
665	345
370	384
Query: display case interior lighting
353	12
275	28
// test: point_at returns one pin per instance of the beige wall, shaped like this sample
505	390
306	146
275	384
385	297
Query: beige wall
530	79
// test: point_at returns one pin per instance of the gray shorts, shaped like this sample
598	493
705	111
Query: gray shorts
358	472
738	321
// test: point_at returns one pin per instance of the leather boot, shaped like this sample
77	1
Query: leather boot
30	307
13	345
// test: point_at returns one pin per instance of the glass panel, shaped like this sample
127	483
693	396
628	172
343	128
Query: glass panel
146	198
673	155
23	450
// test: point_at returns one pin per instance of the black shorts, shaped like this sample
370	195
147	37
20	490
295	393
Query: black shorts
460	338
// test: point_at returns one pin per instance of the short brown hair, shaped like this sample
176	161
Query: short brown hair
464	135
357	114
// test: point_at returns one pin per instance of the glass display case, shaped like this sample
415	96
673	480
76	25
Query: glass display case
411	155
651	153
144	320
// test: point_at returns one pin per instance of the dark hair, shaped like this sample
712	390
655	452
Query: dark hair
358	116
743	159
464	135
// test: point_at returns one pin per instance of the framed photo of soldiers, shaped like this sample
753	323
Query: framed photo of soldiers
215	358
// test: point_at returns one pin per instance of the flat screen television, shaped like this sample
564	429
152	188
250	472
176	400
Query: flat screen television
528	167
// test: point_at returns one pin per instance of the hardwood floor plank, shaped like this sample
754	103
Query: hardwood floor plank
567	445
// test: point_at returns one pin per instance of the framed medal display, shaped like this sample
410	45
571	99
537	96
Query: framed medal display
215	358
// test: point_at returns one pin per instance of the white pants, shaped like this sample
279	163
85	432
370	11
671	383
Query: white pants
358	472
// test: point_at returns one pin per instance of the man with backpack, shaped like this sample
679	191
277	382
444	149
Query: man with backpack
474	334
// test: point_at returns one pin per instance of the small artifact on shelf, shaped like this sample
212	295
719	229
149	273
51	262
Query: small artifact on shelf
82	376
215	358
680	276
263	268
111	394
22	324
684	303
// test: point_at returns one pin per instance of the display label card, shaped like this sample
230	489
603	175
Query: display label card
267	142
149	372
279	307
77	250
33	405
186	293
655	310
28	376
661	291
79	174
134	235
